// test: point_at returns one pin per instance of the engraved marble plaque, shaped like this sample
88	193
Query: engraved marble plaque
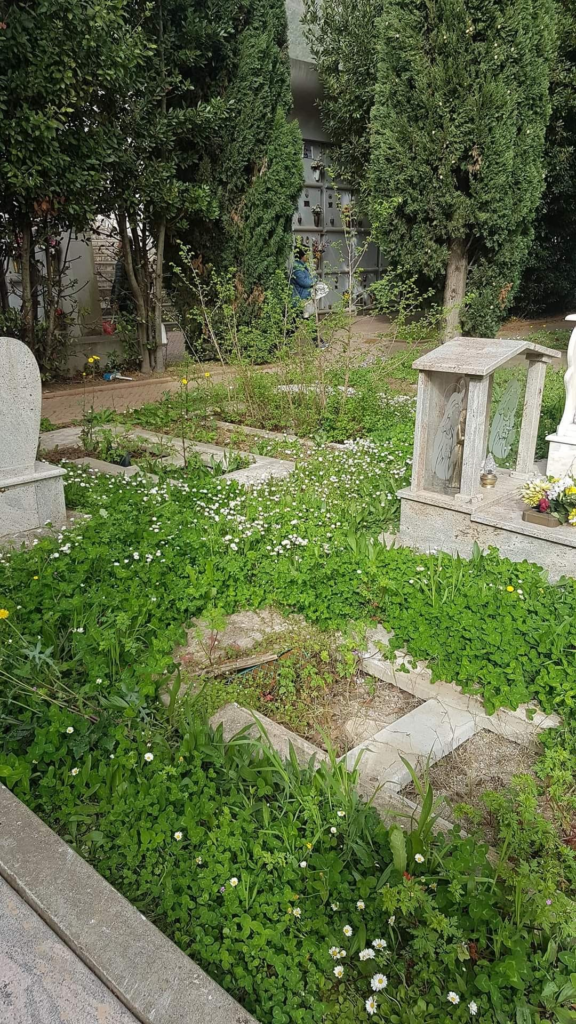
504	430
445	450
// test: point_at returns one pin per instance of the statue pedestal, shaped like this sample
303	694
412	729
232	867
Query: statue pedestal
562	453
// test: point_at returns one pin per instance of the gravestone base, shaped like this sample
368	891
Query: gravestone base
561	454
430	522
30	501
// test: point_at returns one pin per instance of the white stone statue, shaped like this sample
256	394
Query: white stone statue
567	425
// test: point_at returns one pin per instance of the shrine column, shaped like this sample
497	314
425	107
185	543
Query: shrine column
531	415
475	436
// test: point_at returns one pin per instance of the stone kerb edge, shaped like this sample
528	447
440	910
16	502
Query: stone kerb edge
154	979
512	725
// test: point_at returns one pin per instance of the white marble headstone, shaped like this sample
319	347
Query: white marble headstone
20	405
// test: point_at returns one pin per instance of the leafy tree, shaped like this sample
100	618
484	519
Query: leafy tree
344	43
550	278
447	123
205	155
253	165
60	62
162	127
458	132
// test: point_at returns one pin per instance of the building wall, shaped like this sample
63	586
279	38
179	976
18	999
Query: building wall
299	49
318	220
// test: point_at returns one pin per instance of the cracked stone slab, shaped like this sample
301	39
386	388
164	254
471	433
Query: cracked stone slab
205	647
422	736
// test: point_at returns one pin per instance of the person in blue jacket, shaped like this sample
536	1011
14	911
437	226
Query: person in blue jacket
301	278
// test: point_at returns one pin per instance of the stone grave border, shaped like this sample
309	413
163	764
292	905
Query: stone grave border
144	969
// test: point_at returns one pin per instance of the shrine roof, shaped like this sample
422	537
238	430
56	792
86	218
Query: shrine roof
479	357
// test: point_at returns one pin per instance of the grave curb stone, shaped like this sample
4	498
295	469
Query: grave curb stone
147	972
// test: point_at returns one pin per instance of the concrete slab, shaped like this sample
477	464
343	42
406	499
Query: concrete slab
424	735
63	438
242	630
262	470
520	726
149	974
233	718
109	468
41	980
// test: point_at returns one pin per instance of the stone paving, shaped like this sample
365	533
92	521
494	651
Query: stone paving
41	980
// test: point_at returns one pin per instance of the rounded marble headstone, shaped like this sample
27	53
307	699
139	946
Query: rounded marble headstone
20	404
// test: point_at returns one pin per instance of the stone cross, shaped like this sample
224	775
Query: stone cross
31	492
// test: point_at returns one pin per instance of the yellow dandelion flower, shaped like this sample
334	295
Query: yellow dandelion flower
207	374
91	359
4	613
510	590
34	577
184	381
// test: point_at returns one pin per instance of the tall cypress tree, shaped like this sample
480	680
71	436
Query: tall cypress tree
550	279
253	166
458	127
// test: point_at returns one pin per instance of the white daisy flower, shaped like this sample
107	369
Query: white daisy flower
70	730
177	836
297	912
473	1008
335	906
378	982
339	971
148	756
360	905
74	771
392	919
233	882
347	930
333	830
334	952
341	814
453	998
379	943
419	858
371	1005
367	954
303	864
198	860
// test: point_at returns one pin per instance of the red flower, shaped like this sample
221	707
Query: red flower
108	328
544	505
59	312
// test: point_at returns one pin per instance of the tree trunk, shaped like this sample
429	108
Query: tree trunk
49	307
4	299
135	287
455	287
158	277
27	303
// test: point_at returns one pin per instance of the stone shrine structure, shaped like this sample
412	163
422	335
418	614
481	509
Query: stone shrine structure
447	508
562	452
31	492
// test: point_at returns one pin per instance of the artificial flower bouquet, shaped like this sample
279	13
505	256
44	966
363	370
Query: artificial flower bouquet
554	495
